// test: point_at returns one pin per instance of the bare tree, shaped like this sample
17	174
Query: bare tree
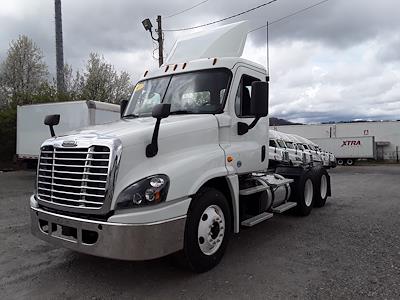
23	72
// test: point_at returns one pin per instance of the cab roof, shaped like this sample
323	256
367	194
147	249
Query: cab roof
201	64
220	47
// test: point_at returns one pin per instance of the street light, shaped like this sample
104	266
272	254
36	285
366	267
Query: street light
147	24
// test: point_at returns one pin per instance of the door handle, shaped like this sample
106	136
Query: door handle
262	153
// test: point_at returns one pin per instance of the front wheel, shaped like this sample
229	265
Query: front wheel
208	229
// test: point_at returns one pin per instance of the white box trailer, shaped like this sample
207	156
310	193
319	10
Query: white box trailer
31	132
348	149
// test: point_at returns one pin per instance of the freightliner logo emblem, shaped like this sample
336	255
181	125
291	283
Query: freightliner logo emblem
70	143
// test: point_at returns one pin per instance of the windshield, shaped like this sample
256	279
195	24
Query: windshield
281	144
200	92
289	145
300	146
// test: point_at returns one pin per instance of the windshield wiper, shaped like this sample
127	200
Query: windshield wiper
131	116
181	112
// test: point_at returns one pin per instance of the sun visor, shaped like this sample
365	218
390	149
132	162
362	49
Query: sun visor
224	41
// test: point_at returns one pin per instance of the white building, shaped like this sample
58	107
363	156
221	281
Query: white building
387	134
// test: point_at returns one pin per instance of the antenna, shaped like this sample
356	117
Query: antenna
268	49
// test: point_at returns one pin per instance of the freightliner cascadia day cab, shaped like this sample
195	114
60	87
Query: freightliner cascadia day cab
184	168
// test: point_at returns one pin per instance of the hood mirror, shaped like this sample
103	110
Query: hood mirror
52	120
160	111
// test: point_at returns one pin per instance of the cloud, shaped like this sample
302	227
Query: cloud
337	61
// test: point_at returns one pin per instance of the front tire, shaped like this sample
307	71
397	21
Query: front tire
208	229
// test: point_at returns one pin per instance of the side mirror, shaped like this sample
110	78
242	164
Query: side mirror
123	104
259	105
52	120
160	111
259	98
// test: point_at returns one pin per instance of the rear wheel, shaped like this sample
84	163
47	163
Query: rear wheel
304	193
208	229
321	180
340	162
349	162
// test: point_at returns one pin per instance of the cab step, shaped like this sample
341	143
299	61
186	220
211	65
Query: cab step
253	190
284	207
257	219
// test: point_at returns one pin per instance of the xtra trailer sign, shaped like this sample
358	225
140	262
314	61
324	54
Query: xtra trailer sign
351	143
349	147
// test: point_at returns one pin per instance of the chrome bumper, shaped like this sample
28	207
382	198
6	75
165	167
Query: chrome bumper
112	240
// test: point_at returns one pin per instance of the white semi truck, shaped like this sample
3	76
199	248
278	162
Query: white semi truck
184	168
295	150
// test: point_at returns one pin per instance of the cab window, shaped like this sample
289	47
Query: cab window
272	143
243	97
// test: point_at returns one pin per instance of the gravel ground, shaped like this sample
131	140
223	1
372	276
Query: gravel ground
349	249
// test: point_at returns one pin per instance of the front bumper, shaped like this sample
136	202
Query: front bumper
106	239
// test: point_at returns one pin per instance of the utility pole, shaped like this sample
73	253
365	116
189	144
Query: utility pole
148	27
160	42
59	47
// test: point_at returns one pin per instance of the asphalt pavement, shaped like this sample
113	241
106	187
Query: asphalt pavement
349	249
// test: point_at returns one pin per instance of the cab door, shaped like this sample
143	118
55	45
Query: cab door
249	151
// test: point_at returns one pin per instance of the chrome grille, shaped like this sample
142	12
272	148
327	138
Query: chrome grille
73	176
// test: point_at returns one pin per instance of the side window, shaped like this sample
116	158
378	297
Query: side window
281	144
243	96
272	143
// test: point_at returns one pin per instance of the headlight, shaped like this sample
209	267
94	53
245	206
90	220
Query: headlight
149	191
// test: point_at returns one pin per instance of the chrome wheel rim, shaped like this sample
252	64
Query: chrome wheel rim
211	230
324	186
308	192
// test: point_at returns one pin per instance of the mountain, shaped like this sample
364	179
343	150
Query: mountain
278	122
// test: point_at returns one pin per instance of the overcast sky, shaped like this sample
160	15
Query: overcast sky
337	61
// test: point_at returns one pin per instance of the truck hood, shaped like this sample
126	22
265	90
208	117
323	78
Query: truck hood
140	130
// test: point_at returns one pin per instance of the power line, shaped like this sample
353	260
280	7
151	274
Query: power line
224	19
290	15
186	9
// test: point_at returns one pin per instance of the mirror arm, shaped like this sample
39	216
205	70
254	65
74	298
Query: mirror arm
243	128
152	148
254	123
52	133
